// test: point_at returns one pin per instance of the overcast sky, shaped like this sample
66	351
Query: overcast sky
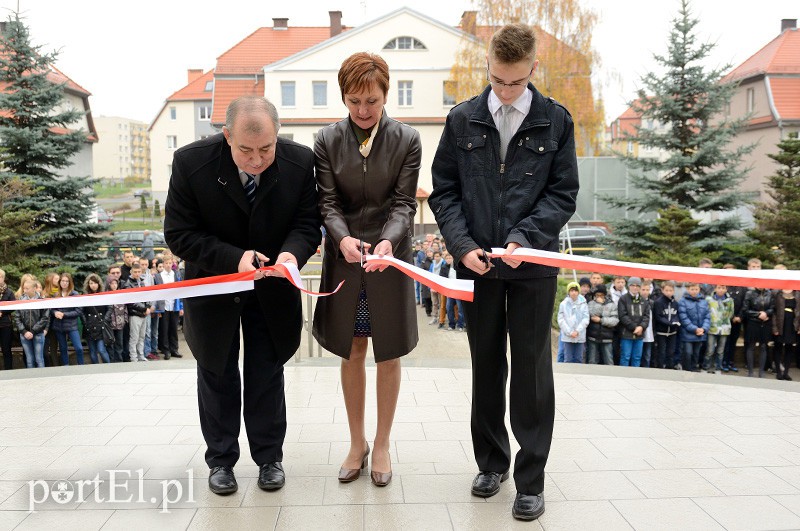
132	55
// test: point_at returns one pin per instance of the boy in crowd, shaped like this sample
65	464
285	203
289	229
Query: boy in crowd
596	279
138	313
573	318
736	293
615	292
586	288
720	307
695	321
453	305
667	325
603	319
634	317
648	339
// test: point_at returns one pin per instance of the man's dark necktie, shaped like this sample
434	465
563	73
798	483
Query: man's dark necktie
250	188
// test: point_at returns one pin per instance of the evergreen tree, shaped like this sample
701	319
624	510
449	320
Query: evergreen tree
673	236
157	210
778	220
37	133
698	172
143	207
17	232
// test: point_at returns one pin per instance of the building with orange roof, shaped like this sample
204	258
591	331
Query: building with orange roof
769	93
625	126
296	68
75	97
184	118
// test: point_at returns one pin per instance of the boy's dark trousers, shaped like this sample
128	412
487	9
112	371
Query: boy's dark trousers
730	345
616	348
691	354
502	315
665	351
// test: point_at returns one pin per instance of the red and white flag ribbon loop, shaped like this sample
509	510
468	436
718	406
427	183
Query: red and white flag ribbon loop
198	287
453	288
771	278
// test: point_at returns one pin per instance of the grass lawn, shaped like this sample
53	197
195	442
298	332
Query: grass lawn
104	189
134	222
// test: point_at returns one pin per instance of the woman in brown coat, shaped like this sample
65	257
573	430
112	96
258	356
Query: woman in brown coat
367	169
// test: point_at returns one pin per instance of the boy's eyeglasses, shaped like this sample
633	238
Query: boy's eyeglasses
497	83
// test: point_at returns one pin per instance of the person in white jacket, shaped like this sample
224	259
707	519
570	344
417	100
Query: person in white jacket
573	318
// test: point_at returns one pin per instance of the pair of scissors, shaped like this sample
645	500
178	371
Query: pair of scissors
256	263
483	257
361	252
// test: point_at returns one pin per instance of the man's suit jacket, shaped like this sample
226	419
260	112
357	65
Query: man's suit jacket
209	223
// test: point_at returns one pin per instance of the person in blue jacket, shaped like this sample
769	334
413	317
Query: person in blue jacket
695	321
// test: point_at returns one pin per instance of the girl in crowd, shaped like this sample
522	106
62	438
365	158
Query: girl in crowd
95	321
65	321
116	316
32	326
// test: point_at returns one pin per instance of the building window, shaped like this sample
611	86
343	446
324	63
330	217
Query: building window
404	93
751	100
449	92
630	147
169	169
173	113
172	142
287	93
209	86
204	112
404	43
320	93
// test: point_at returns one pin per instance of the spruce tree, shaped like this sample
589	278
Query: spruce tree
672	234
779	219
38	137
698	172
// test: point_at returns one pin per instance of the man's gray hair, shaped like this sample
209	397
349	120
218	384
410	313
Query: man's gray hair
251	104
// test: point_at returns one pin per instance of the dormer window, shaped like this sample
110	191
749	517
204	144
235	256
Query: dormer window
404	43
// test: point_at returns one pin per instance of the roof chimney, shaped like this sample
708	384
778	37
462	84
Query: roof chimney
280	23
469	21
194	73
788	23
336	22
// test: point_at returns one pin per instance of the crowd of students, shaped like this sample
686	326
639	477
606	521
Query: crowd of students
447	313
113	333
682	326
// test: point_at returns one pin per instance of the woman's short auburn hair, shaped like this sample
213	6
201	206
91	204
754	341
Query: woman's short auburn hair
361	71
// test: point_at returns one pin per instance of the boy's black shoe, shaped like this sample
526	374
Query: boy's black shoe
222	481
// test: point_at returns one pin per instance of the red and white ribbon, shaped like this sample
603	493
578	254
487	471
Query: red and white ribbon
198	287
767	278
449	287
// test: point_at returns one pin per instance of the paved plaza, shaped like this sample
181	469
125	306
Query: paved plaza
633	448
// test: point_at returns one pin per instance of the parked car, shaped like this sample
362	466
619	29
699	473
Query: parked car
141	192
100	215
583	240
131	240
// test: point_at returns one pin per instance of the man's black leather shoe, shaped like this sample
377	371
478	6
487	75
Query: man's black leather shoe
222	481
528	506
271	476
487	484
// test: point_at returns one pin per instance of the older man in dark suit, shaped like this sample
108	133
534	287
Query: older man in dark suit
236	199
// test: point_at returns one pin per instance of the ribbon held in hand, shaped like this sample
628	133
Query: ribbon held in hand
185	289
449	287
766	278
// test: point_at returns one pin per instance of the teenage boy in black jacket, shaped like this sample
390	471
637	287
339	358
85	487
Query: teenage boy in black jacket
667	325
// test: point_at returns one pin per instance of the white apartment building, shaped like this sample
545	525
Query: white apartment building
123	150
